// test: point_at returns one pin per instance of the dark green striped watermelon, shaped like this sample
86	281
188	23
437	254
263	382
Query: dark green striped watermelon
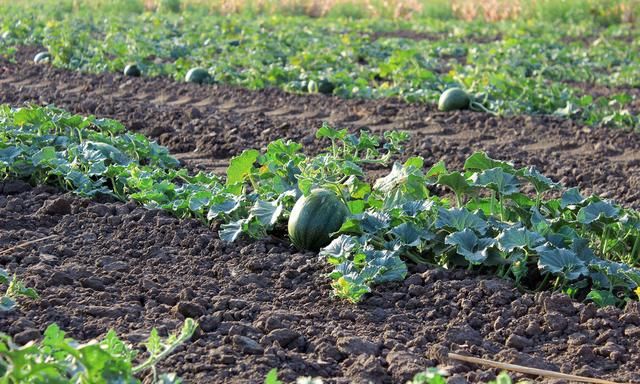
314	218
42	57
453	99
197	75
132	70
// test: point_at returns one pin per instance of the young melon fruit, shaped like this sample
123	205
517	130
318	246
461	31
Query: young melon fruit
197	75
42	57
453	99
132	70
314	218
325	87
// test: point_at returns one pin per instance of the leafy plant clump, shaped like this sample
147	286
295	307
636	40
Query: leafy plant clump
59	359
15	289
583	245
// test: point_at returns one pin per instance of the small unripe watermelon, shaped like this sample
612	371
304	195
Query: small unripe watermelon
42	57
197	75
314	218
325	86
453	99
132	70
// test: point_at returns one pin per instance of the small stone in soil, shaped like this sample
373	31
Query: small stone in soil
247	345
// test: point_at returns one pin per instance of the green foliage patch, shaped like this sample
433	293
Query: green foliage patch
523	67
59	359
585	246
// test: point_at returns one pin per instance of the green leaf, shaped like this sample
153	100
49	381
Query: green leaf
8	155
571	197
602	298
498	180
6	303
356	206
372	222
430	376
97	151
456	181
597	211
339	249
540	182
415	162
358	189
518	238
383	267
475	250
460	219
199	200
226	207
481	162
44	156
239	167
406	179
437	169
409	235
350	288
4	276
267	212
414	208
561	262
231	231
272	377
327	132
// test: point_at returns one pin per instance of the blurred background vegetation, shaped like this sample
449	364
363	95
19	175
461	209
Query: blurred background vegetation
604	12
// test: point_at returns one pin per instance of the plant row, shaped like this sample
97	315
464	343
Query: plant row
488	220
58	359
510	68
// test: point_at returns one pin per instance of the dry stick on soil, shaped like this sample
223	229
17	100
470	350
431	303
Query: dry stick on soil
8	250
527	370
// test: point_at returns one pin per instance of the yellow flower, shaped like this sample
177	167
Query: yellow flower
638	292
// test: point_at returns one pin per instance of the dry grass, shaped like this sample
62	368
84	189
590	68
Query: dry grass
488	10
397	9
604	11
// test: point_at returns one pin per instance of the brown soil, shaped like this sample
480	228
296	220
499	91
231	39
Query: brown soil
262	304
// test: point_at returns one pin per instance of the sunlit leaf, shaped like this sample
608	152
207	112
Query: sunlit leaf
475	250
518	237
597	211
459	219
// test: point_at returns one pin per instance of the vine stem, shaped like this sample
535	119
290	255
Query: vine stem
188	328
636	249
605	237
